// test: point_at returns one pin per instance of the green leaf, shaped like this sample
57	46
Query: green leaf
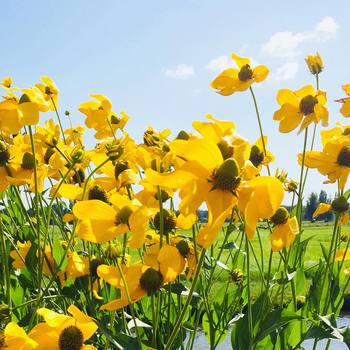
300	281
58	253
275	320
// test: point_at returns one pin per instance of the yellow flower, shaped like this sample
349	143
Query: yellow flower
100	222
305	102
10	116
284	231
232	80
345	109
6	82
49	91
63	332
257	155
101	117
216	130
162	265
333	161
259	199
49	135
77	266
339	205
15	338
342	254
30	105
202	176
75	135
20	255
315	63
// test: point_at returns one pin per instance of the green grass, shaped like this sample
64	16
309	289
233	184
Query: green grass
319	233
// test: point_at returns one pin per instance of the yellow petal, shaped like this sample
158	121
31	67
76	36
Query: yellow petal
30	113
94	210
305	91
287	96
342	254
321	209
83	322
171	263
240	61
97	231
260	73
110	274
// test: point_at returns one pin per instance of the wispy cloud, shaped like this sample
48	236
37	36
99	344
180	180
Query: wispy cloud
181	72
224	62
286	44
287	71
219	63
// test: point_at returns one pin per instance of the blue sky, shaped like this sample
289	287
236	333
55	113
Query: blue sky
155	59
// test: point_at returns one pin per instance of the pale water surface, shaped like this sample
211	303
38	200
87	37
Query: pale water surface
202	344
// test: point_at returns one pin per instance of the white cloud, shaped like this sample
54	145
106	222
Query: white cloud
286	44
223	62
181	72
287	71
220	63
327	27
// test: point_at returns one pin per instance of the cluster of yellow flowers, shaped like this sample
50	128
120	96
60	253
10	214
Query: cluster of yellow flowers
122	188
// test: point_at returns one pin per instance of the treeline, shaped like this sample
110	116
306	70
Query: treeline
312	203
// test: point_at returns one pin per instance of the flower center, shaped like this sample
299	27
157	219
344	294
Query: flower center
182	135
169	221
340	204
28	161
237	276
226	178
95	263
256	155
49	152
164	196
344	157
225	149
114	152
280	217
79	176
245	73
98	192
307	104
24	99
71	338
123	216
115	119
4	157
119	168
183	247
151	280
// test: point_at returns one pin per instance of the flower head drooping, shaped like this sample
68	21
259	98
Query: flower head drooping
232	80
315	63
284	231
301	107
333	161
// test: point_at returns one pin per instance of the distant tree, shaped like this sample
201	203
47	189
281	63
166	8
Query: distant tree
311	205
323	198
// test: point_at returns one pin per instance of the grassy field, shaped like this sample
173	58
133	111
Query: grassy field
319	233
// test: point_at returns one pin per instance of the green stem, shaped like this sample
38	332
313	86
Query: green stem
59	120
250	321
260	126
6	265
187	304
130	303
